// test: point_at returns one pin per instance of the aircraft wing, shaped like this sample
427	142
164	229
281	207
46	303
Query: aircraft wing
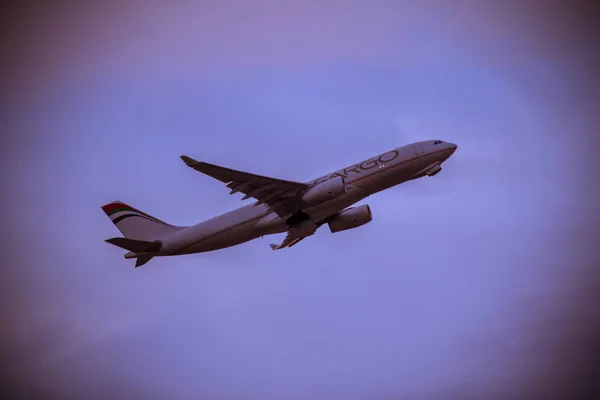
280	195
289	241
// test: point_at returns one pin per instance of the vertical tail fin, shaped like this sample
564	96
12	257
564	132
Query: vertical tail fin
135	224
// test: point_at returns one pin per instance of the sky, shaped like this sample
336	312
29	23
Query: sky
478	280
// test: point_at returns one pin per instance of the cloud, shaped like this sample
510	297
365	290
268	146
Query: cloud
434	295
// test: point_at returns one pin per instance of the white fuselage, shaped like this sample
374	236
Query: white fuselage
362	179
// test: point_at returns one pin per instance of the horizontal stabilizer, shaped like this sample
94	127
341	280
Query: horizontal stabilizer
141	258
137	246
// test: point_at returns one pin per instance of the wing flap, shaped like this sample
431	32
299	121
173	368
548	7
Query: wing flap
282	196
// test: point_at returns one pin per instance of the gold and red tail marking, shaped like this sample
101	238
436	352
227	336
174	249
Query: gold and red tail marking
125	211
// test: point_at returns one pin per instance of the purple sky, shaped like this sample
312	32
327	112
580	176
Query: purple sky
460	284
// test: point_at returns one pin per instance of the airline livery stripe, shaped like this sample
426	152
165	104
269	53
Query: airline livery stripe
125	216
360	178
117	210
114	208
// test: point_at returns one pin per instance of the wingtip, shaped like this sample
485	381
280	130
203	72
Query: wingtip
273	246
190	162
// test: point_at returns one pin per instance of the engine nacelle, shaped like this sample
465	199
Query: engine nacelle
327	190
350	218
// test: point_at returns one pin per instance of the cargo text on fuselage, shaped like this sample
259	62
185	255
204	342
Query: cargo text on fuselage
365	166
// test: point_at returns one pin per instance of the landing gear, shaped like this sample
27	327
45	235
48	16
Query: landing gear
297	218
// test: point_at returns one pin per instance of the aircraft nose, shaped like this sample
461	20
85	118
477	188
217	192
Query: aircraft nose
453	147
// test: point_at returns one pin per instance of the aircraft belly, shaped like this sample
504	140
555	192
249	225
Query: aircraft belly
228	238
330	207
271	224
225	230
238	235
395	175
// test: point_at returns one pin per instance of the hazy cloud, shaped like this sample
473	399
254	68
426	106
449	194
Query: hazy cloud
462	285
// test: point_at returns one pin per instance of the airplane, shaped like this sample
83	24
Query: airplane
282	206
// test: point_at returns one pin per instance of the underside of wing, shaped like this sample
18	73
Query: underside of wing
293	237
280	195
289	241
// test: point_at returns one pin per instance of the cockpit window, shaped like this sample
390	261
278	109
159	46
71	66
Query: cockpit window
437	142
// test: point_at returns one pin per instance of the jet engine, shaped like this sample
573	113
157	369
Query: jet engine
324	191
350	218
